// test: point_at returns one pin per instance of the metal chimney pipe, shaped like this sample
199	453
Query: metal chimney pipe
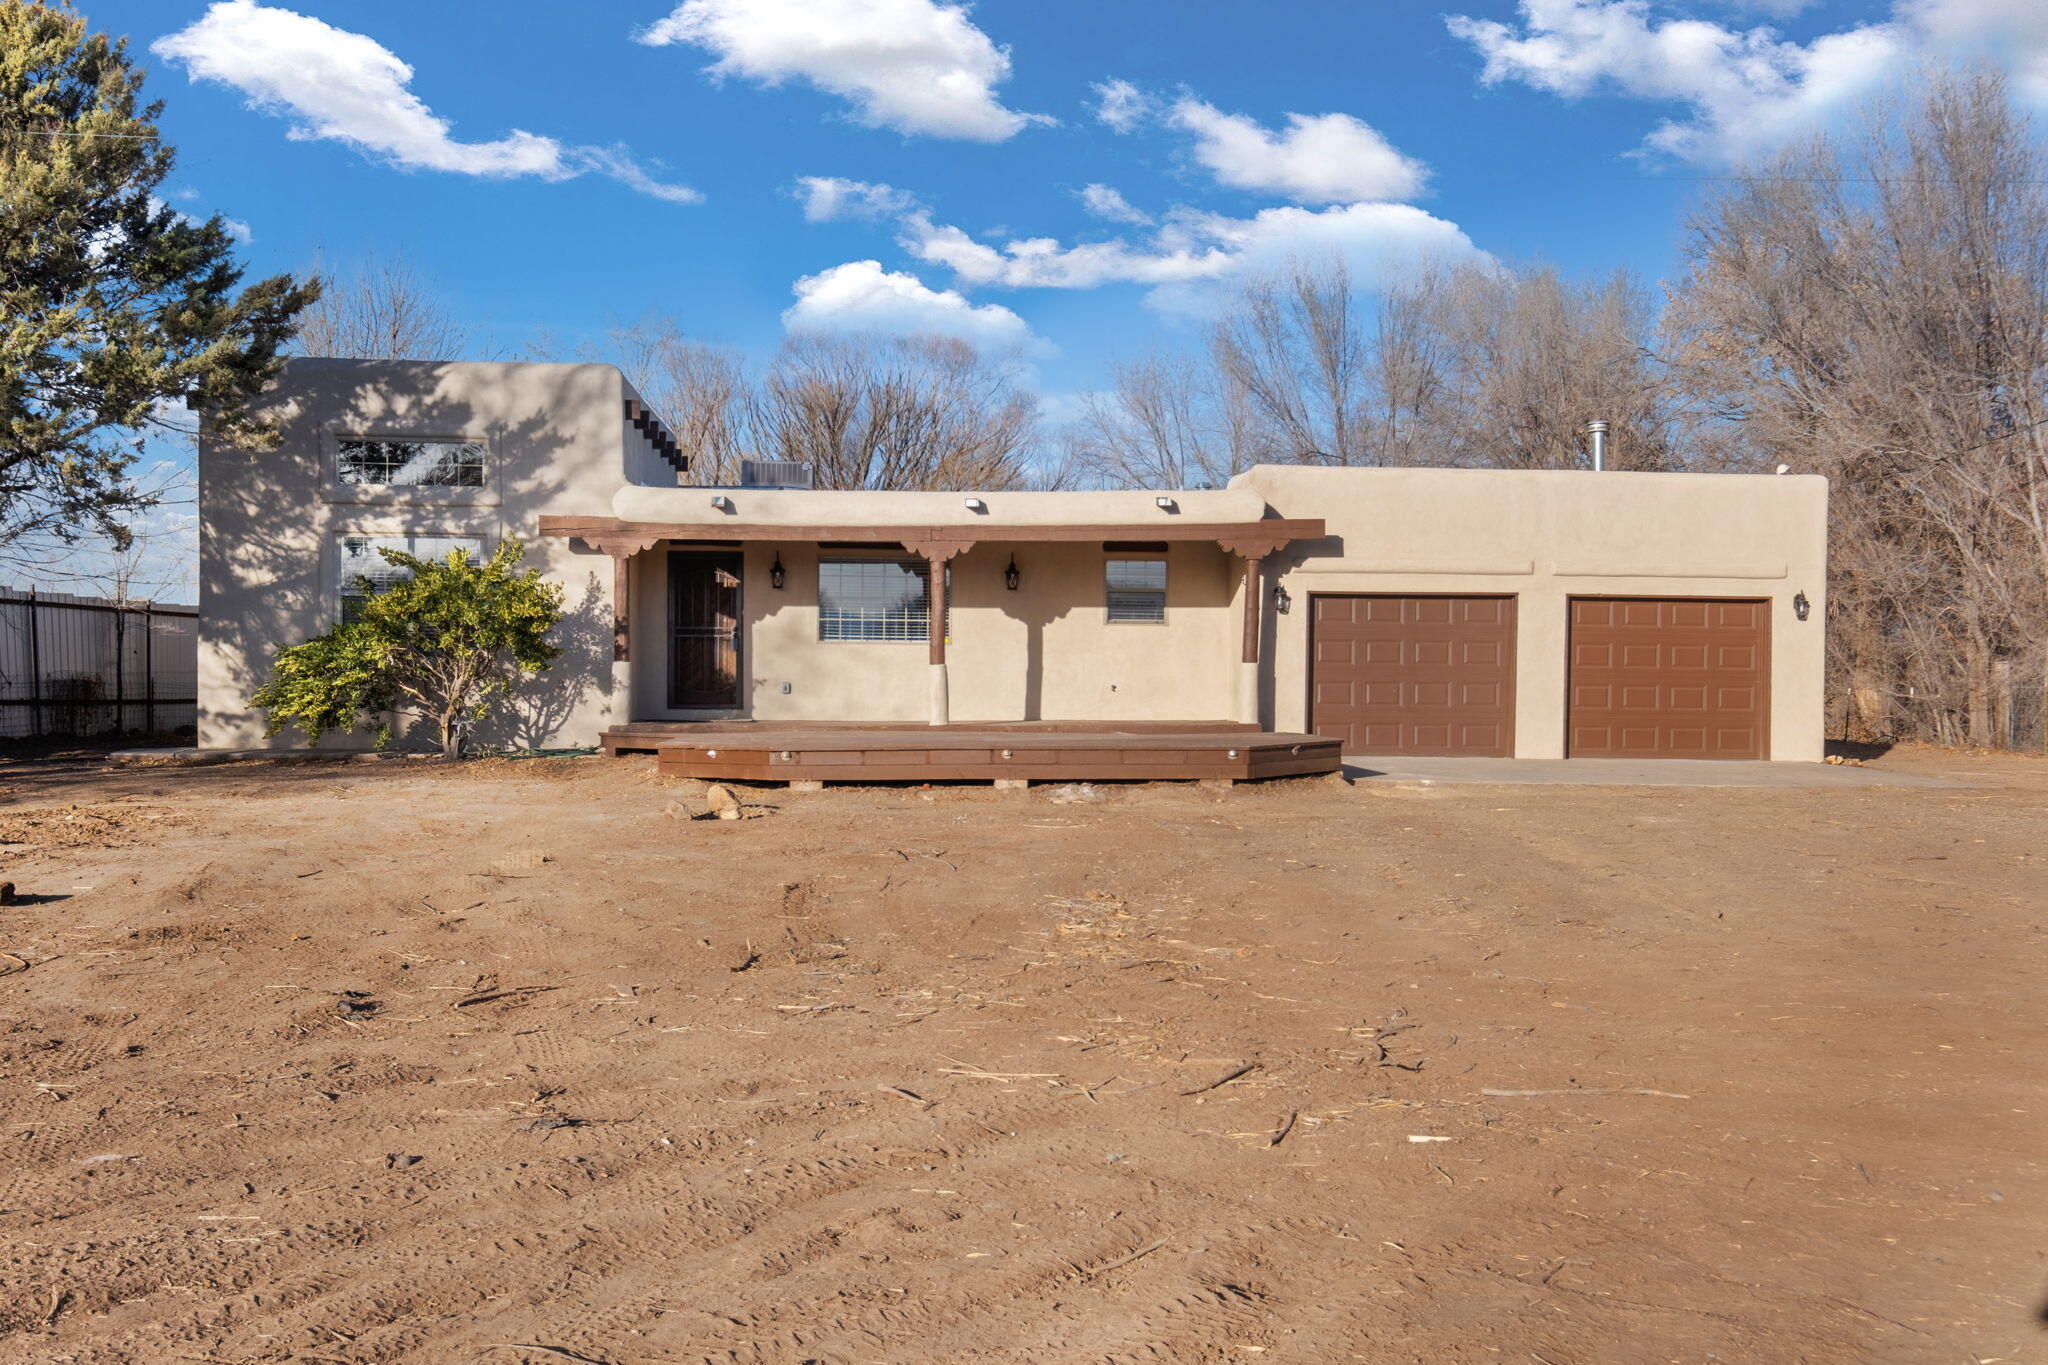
1598	432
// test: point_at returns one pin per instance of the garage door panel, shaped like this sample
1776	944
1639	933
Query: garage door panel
1740	616
1483	654
1435	674
1668	678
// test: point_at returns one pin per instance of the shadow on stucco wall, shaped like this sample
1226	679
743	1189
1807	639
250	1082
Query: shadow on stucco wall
1284	561
266	529
540	706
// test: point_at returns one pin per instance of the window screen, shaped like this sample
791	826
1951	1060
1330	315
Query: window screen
358	558
424	462
874	599
1137	589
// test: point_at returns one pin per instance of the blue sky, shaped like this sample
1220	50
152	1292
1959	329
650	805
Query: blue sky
562	168
1519	169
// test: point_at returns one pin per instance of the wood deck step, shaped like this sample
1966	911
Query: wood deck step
957	754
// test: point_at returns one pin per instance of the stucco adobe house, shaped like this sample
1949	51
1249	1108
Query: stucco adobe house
1398	611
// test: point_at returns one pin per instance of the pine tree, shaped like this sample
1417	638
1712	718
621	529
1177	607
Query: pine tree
113	306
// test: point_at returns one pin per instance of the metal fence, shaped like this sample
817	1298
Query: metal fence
80	667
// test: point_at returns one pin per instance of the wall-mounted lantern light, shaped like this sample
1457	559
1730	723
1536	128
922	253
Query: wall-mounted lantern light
1011	578
1800	606
776	574
1281	601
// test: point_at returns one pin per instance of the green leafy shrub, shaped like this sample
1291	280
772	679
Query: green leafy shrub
447	644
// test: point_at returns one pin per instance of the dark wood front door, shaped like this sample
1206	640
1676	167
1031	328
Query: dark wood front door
703	629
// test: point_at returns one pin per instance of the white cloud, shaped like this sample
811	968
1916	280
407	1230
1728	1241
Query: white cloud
1104	202
2014	32
1319	159
1747	89
828	198
1193	252
860	296
618	163
350	88
1121	106
918	66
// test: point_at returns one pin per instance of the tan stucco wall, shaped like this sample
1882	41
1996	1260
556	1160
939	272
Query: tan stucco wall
269	520
1545	537
788	507
1043	652
559	444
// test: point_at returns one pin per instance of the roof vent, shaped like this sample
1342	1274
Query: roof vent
775	474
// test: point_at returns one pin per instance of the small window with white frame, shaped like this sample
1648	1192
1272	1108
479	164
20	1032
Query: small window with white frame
1135	588
358	558
409	462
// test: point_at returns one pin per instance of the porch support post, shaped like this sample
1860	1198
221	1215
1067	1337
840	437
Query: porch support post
936	554
1252	550
622	549
1248	660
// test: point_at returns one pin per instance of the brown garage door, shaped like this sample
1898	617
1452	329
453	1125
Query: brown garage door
1669	678
1414	675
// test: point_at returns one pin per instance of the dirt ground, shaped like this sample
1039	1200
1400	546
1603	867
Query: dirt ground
514	1062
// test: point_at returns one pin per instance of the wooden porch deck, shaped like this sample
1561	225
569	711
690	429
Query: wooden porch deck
750	753
647	736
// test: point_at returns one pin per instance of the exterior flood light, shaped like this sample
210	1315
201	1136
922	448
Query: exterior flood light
1164	503
976	505
721	502
776	573
1800	606
1281	601
1010	575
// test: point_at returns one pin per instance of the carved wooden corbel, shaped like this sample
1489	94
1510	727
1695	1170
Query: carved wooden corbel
622	549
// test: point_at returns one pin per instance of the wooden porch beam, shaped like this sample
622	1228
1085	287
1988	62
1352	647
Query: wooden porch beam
936	553
1271	533
622	549
1254	587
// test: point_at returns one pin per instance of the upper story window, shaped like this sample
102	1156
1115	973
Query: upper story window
409	462
1136	590
358	558
874	599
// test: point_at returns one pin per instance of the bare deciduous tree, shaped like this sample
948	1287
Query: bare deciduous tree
1877	311
1522	360
703	391
863	411
875	412
1291	350
1162	425
382	310
1473	364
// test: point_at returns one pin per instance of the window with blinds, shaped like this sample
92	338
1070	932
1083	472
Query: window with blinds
358	559
874	599
1137	591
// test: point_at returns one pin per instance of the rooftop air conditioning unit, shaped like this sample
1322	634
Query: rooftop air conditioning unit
775	474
